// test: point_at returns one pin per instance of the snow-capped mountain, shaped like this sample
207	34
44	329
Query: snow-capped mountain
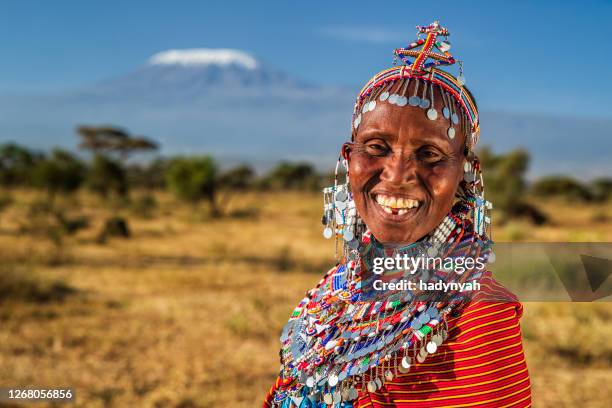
238	108
195	73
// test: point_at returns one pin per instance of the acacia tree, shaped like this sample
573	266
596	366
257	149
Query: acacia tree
111	147
113	140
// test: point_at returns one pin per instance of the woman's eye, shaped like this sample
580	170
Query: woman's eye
430	156
376	149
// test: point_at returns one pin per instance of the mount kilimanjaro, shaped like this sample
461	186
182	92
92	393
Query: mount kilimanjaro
238	108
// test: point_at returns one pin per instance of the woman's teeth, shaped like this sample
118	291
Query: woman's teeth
398	205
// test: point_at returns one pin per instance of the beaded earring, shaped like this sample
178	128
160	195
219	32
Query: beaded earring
340	218
474	189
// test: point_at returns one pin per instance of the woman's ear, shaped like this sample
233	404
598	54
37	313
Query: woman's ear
346	150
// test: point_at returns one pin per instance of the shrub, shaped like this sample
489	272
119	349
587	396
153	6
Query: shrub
237	178
504	178
22	285
61	173
561	186
193	179
107	176
16	163
602	188
114	227
292	176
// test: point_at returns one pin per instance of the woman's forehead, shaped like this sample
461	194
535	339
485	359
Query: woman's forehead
407	122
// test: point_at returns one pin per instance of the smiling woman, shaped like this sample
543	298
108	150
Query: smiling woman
415	190
404	169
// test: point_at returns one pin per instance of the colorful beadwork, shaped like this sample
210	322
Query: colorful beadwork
423	69
341	338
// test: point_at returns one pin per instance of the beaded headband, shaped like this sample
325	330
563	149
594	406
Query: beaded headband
420	66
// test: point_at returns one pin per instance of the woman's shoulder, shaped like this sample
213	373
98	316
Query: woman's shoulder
493	294
490	317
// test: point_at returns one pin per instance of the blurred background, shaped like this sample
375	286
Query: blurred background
161	163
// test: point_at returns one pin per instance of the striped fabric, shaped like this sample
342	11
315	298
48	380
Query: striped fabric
481	364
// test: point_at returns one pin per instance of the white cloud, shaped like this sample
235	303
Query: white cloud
374	35
204	56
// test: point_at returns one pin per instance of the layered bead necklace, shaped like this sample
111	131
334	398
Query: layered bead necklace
341	338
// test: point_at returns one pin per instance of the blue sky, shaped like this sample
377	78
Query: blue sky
524	56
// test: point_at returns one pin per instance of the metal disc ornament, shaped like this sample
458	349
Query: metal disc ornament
451	132
420	358
406	363
384	96
371	386
310	382
424	104
371	105
414	101
328	233
393	99
455	118
402	101
446	112
332	380
432	114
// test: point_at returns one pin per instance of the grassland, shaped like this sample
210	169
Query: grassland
187	312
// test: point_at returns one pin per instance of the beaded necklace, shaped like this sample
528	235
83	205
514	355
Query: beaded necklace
338	341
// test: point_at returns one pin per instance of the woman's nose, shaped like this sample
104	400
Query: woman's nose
399	168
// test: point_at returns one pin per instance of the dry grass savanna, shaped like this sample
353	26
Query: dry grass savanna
187	311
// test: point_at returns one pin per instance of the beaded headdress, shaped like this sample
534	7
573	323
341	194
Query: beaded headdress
420	61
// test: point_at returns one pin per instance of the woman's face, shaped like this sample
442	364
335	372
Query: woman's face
404	171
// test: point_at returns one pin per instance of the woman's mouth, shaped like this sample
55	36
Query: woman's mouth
397	206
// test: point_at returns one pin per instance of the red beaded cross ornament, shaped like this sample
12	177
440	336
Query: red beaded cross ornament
443	57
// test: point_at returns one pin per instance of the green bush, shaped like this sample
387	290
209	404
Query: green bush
238	178
60	173
562	186
107	176
504	177
16	163
150	175
194	179
298	176
602	188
